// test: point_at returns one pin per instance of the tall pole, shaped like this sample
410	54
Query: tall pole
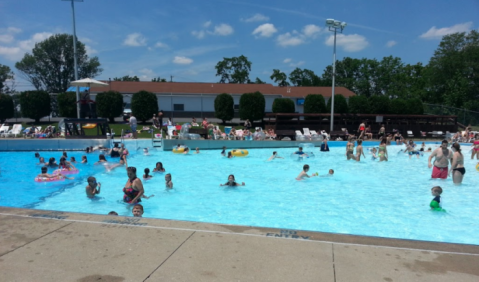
75	54
334	76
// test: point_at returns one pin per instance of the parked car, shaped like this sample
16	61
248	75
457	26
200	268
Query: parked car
127	112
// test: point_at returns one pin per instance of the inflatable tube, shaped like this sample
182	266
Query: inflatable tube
477	167
58	177
239	153
306	145
306	155
179	150
89	125
435	206
66	171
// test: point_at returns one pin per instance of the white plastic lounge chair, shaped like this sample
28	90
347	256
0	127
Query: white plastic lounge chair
307	134
4	128
313	133
410	134
170	132
16	130
300	136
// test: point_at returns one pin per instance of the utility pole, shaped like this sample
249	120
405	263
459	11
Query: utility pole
171	78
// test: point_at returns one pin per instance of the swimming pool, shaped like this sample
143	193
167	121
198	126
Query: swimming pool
387	199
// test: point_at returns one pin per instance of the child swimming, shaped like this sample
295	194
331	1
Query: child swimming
304	173
232	182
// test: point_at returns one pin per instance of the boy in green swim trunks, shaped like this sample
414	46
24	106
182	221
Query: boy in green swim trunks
435	204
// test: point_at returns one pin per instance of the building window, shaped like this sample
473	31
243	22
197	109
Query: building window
236	108
178	107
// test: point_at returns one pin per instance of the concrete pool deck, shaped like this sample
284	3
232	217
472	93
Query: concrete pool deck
37	245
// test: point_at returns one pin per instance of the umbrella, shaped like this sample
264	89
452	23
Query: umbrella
88	82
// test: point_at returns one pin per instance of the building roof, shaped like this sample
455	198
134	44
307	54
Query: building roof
130	87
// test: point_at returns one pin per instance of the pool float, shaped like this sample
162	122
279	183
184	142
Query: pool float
89	125
58	177
239	153
179	150
477	167
294	156
306	145
435	206
66	171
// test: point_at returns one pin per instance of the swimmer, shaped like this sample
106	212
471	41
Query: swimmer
44	174
64	164
197	150
124	150
101	159
159	167
304	173
410	149
84	160
113	213
223	153
52	162
230	155
275	156
300	153
383	152
88	150
168	182
441	156
186	150
457	166
72	160
435	204
41	161
147	175
65	154
423	147
359	150
120	163
145	151
232	182
137	210
373	152
324	146
350	149
330	173
93	187
133	190
37	155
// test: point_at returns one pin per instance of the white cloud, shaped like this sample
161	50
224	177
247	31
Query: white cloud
223	30
207	24
135	40
297	64
287	60
265	30
289	39
89	50
6	38
256	18
10	52
160	45
435	33
350	43
391	43
198	34
13	30
311	30
21	47
182	60
146	74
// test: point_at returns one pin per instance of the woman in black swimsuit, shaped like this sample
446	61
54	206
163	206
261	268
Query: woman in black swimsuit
133	189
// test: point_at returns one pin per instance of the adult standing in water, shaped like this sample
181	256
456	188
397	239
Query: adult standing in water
475	147
133	190
442	156
350	149
382	150
133	125
457	166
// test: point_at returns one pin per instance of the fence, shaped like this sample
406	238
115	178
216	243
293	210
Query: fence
464	116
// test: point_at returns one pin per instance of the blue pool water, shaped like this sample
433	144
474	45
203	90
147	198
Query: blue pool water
387	199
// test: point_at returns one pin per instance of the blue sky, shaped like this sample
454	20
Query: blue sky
186	39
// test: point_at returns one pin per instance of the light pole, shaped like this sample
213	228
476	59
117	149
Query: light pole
335	26
75	54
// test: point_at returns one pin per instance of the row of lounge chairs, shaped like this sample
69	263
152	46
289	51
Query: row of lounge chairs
17	130
311	135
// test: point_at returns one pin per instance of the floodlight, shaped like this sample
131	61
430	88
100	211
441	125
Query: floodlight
329	22
343	24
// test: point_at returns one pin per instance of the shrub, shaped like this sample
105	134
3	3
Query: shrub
67	106
252	106
314	104
283	105
224	107
359	105
398	107
6	107
414	106
379	104
143	105
35	104
109	105
340	104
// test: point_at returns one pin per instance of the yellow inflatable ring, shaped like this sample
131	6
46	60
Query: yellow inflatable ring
477	167
179	150
240	153
89	125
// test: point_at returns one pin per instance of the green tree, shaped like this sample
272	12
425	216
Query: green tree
279	77
67	106
143	105
359	105
109	104
35	104
234	70
224	107
50	67
158	79
299	77
251	106
379	105
314	104
398	107
6	75
340	104
259	81
127	78
283	105
6	107
414	106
